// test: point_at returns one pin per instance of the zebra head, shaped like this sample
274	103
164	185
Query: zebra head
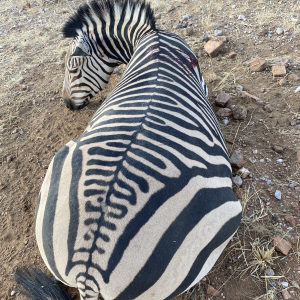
104	34
87	71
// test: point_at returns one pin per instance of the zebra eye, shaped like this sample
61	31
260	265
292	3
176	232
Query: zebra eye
74	63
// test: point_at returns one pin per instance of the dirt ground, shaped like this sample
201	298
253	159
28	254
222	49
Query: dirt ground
34	124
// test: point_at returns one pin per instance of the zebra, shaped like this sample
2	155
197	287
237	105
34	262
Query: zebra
141	205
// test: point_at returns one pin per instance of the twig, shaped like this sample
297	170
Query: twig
249	120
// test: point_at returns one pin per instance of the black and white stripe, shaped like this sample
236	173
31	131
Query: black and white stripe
141	205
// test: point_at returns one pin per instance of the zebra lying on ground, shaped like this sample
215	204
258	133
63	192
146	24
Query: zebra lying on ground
140	206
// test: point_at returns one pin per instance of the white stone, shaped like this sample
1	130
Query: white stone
278	195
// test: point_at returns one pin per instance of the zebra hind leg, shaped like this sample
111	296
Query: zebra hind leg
39	286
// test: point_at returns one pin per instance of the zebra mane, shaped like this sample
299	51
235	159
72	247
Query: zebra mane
104	8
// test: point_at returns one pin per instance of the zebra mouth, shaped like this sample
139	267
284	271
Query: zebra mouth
71	105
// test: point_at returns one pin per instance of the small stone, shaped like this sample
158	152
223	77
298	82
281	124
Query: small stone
224	112
241	17
282	82
177	25
237	159
290	219
239	112
243	172
286	294
188	31
238	192
284	284
225	122
213	48
282	245
23	87
229	140
279	31
298	156
16	93
157	16
237	180
293	77
258	65
45	167
205	38
232	54
270	272
9	158
222	99
277	149
21	132
170	8
218	32
212	291
184	24
186	17
14	131
278	71
116	70
13	293
295	205
263	32
278	195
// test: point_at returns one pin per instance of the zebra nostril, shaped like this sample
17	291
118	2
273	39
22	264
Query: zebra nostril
69	104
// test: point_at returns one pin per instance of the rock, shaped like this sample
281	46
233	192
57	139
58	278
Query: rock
23	87
225	122
184	24
286	294
298	156
270	272
157	16
282	82
282	245
14	131
213	48
295	205
222	99
243	172
268	108
237	180
232	54
279	31
277	149
212	291
13	293
218	32
224	112
263	32
237	159
205	38
229	140
241	17
290	219
278	71
239	112
215	25
186	17
284	284
170	8
188	31
278	195
293	77
297	90
238	192
258	65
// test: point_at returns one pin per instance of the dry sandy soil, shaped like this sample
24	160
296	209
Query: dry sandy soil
34	124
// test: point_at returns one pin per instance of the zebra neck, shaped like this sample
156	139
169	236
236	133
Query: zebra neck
120	40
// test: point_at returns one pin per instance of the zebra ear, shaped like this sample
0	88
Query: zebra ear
79	52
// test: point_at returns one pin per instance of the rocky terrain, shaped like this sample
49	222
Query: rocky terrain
248	54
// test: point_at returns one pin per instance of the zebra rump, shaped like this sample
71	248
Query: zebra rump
37	285
141	205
